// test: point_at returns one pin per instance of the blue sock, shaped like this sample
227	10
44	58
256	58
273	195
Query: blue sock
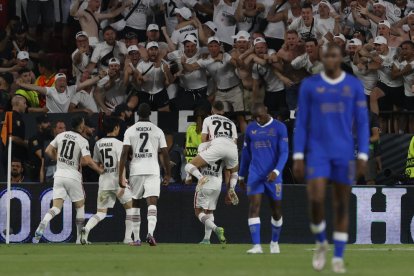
339	239
254	225
319	231
276	228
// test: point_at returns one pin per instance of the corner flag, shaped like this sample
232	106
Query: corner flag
7	127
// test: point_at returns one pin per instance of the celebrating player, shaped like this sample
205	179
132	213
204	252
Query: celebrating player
265	152
70	150
205	198
144	139
107	152
222	133
331	105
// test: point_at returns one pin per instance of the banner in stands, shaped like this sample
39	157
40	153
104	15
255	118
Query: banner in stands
378	215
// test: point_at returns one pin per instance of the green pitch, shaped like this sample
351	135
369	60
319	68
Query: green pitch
194	260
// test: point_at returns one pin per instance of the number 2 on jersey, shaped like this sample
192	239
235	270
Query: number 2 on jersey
144	137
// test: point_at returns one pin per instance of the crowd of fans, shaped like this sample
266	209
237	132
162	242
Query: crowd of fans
184	54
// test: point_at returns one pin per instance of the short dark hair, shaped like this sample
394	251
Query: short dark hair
15	159
107	28
333	45
311	39
24	70
144	110
77	121
306	5
407	42
109	124
46	63
218	105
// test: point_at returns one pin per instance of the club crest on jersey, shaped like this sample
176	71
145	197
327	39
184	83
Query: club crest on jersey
272	132
320	89
346	91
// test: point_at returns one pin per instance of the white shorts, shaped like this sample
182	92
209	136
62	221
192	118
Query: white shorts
143	186
206	199
63	187
222	149
107	198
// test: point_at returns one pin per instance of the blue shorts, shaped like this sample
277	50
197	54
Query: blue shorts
338	170
271	189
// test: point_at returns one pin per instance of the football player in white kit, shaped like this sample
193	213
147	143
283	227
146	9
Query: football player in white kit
222	133
145	140
107	152
205	198
70	150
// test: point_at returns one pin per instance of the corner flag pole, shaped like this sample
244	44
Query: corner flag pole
6	134
9	155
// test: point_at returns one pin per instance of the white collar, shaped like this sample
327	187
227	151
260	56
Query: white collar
333	81
267	124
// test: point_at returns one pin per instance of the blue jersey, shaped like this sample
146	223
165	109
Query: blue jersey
328	112
265	149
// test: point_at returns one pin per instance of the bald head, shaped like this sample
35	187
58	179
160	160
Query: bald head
19	104
259	113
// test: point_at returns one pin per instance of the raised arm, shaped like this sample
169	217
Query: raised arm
27	86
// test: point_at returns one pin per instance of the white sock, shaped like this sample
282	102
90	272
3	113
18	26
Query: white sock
94	220
152	219
136	222
53	212
205	219
207	230
128	223
80	220
193	170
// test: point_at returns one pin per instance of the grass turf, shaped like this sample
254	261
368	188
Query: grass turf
193	259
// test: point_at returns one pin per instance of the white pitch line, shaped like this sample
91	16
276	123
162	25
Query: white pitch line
374	249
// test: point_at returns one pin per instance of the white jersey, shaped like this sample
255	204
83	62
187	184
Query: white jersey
57	102
138	19
408	79
77	70
70	147
384	73
146	139
214	172
217	126
154	78
190	80
84	99
304	31
108	152
369	79
324	26
303	61
169	6
115	95
180	34
224	18
265	73
274	29
223	73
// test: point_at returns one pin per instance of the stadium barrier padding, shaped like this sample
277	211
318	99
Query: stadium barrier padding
378	215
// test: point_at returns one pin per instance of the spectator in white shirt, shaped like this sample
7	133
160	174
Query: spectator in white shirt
84	100
81	56
58	97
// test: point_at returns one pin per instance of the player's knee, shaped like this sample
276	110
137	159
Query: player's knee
254	209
